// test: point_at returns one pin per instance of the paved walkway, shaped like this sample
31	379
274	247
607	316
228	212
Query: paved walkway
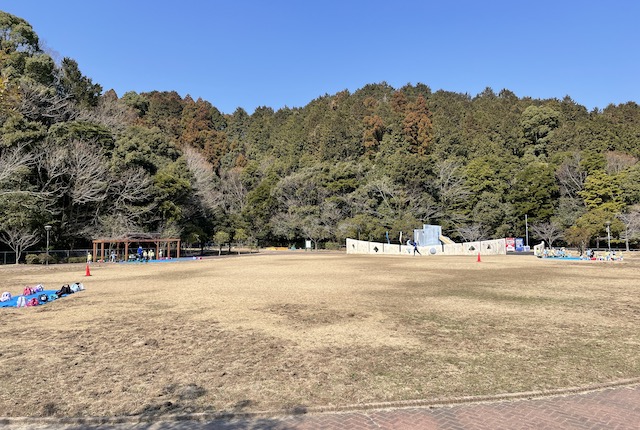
607	408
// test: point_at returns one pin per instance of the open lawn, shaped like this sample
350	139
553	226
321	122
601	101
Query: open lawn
293	330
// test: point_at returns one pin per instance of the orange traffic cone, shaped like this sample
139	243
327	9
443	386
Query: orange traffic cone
478	257
87	272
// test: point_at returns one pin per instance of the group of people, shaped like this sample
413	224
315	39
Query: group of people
552	252
146	255
590	254
140	255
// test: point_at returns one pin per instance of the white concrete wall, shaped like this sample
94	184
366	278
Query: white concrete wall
485	247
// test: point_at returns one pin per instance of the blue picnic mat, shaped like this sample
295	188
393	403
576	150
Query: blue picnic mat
14	300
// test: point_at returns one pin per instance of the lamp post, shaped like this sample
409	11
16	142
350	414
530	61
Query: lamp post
608	224
48	228
526	229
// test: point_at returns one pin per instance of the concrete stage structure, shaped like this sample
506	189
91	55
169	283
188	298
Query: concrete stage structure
430	242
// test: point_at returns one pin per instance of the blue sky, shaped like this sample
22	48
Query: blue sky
286	53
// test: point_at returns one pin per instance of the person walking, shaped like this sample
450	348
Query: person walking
415	248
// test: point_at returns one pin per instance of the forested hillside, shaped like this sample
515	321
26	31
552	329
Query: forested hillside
92	163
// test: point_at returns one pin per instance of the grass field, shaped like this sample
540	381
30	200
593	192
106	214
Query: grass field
290	331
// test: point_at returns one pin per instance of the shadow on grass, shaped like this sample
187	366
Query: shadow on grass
182	416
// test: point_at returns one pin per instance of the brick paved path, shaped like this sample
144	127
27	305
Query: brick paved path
611	408
615	408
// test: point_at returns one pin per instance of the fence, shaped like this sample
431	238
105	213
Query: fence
63	255
57	255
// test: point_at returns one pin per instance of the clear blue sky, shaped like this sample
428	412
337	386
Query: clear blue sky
279	53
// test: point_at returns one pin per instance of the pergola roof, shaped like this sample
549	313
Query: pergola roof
133	237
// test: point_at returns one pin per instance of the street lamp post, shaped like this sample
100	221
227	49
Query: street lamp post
608	223
48	228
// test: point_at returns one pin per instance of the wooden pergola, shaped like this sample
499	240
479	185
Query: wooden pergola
168	246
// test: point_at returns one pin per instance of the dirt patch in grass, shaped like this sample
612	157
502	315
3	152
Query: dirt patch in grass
295	330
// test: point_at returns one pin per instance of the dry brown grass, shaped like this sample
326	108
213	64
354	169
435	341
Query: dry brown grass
295	330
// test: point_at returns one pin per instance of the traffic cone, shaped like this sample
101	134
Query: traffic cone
87	272
478	257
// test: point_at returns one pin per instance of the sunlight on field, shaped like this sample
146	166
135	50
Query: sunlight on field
295	329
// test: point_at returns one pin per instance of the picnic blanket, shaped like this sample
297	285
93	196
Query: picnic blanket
51	295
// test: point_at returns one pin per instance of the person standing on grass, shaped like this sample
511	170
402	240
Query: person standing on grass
415	248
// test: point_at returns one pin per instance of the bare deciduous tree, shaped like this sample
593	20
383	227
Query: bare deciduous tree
14	162
116	225
631	222
383	199
170	229
234	193
331	214
547	231
299	189
619	161
51	167
132	190
37	101
571	176
115	115
19	239
422	206
313	229
77	170
286	225
76	178
452	189
204	179
471	232
130	204
387	192
19	201
88	174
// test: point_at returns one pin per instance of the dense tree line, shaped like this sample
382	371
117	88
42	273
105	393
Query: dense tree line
93	164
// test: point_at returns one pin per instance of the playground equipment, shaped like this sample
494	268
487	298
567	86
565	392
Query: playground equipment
430	241
446	240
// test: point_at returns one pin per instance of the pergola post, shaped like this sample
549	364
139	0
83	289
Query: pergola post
159	243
